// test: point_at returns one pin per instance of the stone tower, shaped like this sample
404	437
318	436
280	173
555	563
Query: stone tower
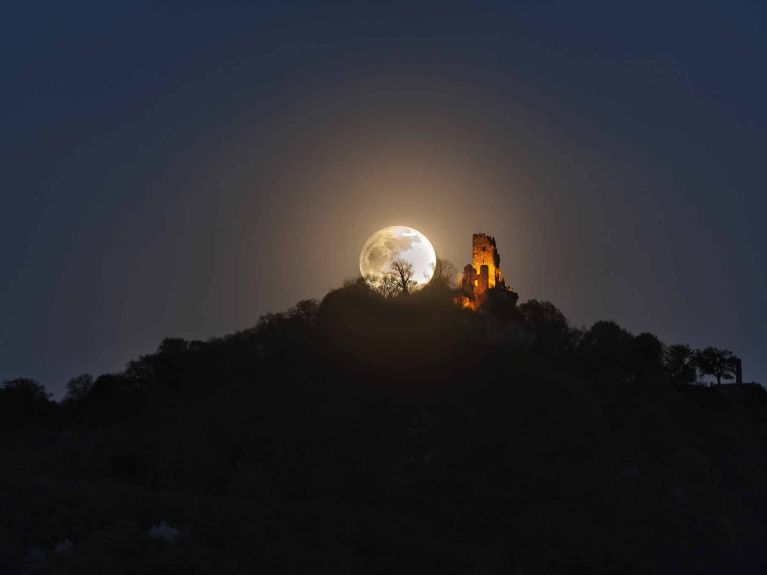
482	278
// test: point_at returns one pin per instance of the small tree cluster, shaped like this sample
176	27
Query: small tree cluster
683	364
22	401
399	280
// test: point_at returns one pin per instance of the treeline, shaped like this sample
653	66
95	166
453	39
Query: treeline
374	433
386	319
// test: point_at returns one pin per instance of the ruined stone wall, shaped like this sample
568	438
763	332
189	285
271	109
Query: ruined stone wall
483	273
484	253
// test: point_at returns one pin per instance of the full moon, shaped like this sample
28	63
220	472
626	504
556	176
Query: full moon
398	243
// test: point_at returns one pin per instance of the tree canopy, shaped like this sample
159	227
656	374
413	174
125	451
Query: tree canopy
368	433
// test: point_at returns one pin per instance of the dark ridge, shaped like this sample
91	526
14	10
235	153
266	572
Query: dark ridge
404	435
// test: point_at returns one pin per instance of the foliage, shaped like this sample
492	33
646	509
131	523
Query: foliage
369	434
78	388
23	389
647	352
606	350
24	401
719	363
549	330
679	363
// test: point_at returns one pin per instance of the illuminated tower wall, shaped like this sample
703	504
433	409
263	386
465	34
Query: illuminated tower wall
483	273
484	253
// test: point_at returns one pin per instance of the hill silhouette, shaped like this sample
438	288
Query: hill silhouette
399	435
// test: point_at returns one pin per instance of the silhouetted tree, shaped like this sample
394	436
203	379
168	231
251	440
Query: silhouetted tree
22	387
381	285
24	400
402	272
720	363
607	350
647	357
445	274
398	280
358	284
168	366
679	363
115	396
78	388
547	326
305	311
386	285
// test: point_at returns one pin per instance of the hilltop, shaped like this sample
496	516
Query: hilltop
364	434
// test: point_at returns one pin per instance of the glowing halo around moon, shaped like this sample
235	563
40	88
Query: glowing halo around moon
398	243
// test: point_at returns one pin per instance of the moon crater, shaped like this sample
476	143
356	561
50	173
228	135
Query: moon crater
398	243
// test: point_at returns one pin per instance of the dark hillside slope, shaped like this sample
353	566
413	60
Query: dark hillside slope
365	435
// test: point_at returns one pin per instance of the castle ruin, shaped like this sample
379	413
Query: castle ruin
482	278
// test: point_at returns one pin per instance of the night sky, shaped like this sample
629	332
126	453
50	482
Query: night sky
179	168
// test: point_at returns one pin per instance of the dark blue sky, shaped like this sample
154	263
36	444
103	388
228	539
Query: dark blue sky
179	168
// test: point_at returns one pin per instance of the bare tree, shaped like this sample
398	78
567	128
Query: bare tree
388	286
445	274
402	273
383	285
398	280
